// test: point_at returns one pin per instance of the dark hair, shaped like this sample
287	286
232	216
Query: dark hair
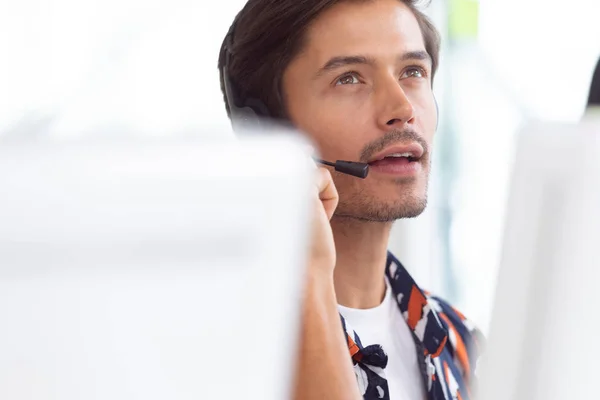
267	34
594	96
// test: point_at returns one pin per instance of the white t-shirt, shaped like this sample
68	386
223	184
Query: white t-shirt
384	325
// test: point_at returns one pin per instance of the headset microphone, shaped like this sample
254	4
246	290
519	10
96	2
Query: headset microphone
359	170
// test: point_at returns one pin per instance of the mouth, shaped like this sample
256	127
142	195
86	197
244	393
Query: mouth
398	160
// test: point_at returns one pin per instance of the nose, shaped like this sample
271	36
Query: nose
395	108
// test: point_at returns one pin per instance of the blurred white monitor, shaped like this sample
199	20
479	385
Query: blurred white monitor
542	341
155	270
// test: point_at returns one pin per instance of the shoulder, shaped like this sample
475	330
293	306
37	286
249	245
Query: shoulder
465	341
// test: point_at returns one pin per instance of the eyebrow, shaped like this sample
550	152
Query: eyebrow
343	61
420	55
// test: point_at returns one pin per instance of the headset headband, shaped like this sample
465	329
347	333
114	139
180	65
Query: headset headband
244	111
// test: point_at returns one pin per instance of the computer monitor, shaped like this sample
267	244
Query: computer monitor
542	341
152	270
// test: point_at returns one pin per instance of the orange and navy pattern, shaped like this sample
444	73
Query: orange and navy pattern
447	343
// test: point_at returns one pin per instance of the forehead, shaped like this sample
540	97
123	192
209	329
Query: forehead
379	28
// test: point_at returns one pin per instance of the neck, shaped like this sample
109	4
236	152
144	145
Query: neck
361	248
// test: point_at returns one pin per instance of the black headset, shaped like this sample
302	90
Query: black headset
243	110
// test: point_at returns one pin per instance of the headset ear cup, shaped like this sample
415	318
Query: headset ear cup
243	111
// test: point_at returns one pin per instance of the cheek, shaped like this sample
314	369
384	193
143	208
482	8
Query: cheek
334	126
334	138
427	115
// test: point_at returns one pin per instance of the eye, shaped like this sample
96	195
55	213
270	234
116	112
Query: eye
348	79
414	72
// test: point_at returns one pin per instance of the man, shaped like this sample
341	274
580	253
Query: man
356	77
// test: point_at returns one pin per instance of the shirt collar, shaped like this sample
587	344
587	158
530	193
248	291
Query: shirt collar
420	317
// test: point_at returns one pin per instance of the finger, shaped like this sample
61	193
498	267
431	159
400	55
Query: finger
327	192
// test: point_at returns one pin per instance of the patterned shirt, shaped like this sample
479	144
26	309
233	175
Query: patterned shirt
447	344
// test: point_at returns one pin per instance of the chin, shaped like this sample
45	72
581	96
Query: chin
379	210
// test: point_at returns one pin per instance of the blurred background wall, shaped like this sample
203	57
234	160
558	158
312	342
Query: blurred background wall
89	67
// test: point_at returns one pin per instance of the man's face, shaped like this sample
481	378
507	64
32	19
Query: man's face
361	90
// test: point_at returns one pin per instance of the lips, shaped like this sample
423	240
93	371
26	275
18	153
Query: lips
399	160
391	161
399	153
